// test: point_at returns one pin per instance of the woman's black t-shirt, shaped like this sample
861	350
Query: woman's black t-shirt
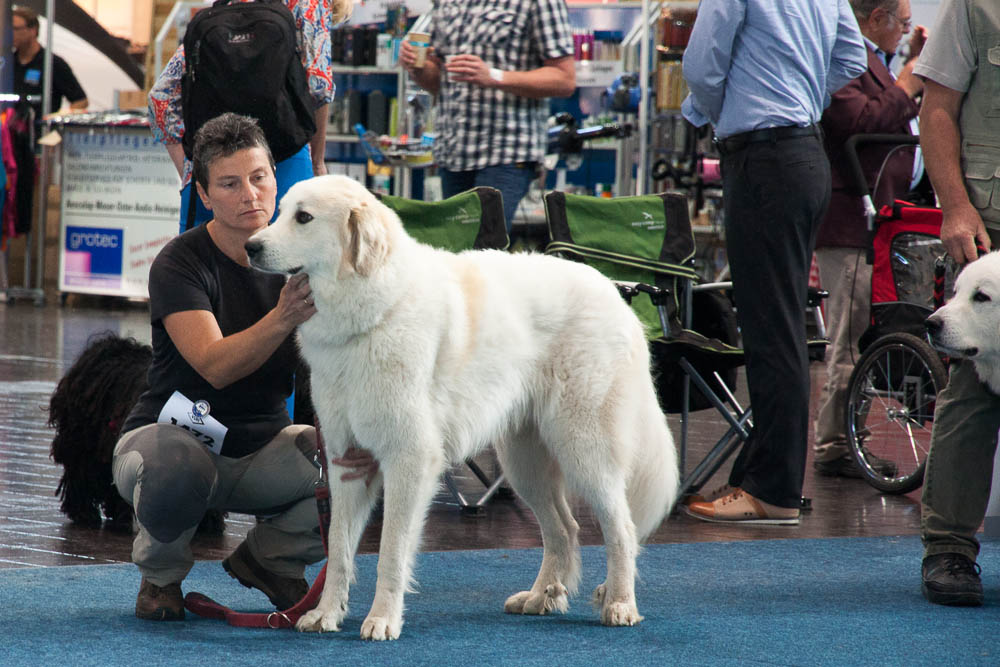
191	273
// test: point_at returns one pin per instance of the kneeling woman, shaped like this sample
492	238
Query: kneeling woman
212	431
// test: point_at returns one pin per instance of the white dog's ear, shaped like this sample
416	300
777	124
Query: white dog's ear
367	239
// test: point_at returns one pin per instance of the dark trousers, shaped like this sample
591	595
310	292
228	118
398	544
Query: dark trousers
775	194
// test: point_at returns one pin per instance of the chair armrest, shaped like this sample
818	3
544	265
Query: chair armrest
815	296
626	289
658	295
713	287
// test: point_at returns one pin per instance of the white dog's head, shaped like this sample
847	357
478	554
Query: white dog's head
327	224
969	325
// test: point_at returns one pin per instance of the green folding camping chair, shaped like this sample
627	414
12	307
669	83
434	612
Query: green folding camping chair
645	244
470	220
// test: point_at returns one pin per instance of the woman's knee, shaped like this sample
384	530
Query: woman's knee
167	476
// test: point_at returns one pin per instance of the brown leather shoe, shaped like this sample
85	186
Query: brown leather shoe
740	507
283	592
156	603
710	495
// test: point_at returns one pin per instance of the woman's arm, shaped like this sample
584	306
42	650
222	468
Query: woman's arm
222	360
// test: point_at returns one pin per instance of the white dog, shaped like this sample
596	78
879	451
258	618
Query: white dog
425	357
969	324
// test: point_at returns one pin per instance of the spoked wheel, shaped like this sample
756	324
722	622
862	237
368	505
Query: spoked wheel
890	410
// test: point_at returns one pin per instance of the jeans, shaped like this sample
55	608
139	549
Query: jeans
287	173
775	194
512	180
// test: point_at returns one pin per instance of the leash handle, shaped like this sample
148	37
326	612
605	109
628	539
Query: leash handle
206	607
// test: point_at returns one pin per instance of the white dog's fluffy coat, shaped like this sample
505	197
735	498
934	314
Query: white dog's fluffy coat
969	324
425	357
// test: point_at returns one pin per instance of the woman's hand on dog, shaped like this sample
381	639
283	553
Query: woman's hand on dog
361	463
295	304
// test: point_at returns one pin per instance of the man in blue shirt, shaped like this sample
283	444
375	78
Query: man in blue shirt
761	72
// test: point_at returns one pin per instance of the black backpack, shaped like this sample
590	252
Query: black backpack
244	58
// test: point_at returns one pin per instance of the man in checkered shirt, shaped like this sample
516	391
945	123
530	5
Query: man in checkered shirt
492	64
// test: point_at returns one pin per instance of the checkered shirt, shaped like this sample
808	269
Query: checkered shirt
481	127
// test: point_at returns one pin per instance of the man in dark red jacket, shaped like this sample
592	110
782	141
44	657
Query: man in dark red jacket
875	102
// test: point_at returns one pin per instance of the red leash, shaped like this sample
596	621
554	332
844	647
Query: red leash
206	607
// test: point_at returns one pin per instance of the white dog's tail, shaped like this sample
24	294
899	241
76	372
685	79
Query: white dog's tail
653	485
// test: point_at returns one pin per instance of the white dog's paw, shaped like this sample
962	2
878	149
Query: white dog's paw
378	628
317	620
597	600
555	598
620	613
614	613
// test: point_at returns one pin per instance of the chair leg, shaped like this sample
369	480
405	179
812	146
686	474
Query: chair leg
723	449
820	322
739	429
713	398
475	507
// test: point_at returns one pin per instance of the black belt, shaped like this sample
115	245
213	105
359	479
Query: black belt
735	142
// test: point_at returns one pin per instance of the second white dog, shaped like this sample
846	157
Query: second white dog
425	357
969	324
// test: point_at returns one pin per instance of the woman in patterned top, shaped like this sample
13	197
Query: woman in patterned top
314	20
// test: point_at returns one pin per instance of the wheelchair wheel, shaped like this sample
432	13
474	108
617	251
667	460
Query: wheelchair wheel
890	410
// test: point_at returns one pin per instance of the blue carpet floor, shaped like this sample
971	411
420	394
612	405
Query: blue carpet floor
852	601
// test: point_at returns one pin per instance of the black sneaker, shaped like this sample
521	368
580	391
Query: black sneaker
952	579
283	592
846	466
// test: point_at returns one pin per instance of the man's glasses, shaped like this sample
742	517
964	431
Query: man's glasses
907	24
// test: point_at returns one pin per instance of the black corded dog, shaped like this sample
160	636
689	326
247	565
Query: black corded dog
87	409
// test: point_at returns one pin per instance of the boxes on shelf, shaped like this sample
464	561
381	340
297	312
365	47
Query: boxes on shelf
364	46
373	109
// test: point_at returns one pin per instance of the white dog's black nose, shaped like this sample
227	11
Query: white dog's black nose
253	248
933	324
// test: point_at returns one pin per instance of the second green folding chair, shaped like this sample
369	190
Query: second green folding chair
646	245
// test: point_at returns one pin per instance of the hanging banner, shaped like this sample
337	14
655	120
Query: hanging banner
120	206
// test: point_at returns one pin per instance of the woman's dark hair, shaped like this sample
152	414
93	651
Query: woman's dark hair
221	137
